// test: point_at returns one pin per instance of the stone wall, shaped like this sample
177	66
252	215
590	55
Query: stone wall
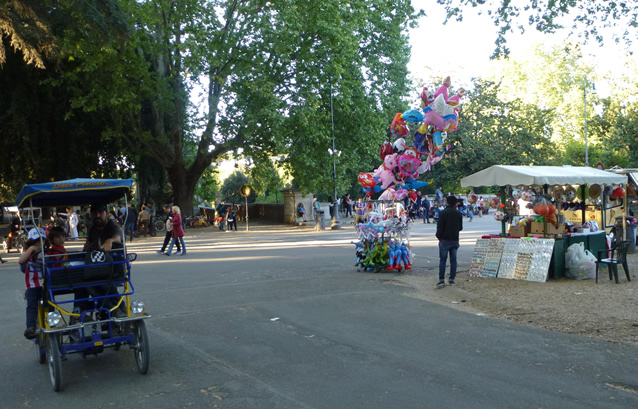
291	199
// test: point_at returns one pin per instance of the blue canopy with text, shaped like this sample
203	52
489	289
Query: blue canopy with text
74	192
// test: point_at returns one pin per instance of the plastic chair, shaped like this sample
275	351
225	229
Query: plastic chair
620	252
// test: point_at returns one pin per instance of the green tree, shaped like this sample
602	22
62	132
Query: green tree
553	78
26	32
265	71
44	137
589	18
207	186
492	131
265	179
230	189
617	133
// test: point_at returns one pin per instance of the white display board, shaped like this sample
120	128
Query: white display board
519	259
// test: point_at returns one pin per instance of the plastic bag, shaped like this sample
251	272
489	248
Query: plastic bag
580	264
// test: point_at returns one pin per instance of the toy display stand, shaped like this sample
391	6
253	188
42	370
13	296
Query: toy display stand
384	238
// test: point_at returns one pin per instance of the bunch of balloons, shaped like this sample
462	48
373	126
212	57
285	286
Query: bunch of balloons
381	254
404	163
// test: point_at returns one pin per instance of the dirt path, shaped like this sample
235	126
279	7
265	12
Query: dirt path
605	310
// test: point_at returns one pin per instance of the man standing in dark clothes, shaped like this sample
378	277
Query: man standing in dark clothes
221	213
426	209
131	222
447	231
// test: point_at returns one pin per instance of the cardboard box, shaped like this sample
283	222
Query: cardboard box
551	229
537	228
519	231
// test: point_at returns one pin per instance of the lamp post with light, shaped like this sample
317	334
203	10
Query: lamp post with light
335	211
585	115
244	190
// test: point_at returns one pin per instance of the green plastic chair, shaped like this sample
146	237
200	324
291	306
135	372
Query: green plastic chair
618	256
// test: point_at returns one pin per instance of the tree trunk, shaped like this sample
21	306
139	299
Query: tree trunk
183	184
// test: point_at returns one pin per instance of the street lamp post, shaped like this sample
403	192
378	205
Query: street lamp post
335	210
245	192
585	116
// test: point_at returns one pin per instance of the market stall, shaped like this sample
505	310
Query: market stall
557	195
629	204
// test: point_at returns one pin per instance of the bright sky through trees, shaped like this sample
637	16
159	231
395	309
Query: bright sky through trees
463	49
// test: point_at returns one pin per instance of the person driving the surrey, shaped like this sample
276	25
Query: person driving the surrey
104	231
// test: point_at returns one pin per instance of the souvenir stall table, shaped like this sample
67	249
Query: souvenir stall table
536	249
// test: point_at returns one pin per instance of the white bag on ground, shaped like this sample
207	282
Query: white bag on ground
580	264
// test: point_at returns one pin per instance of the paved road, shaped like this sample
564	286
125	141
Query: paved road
279	318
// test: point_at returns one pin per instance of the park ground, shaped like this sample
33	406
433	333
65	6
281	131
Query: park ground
604	310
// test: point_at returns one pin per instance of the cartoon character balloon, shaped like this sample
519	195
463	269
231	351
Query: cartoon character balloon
404	160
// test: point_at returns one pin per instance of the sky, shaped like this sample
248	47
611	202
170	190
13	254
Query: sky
463	49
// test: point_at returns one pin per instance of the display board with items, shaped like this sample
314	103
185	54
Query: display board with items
527	259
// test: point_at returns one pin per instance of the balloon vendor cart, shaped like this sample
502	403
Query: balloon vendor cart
406	154
384	238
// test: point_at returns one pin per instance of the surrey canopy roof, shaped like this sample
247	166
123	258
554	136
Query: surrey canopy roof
74	192
502	175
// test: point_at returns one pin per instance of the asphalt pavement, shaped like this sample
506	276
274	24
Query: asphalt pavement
278	317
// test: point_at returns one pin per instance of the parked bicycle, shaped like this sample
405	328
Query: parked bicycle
159	225
145	230
195	221
17	242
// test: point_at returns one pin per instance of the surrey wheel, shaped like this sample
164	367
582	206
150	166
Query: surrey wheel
55	362
40	348
141	347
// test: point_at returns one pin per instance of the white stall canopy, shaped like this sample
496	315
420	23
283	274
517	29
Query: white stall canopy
501	175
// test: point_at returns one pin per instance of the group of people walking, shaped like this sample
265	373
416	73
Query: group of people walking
226	216
174	232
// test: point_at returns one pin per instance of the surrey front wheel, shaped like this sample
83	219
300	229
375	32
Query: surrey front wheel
141	347
55	362
40	350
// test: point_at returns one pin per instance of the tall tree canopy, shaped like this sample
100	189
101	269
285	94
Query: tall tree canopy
43	136
588	18
493	131
22	26
193	81
552	78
